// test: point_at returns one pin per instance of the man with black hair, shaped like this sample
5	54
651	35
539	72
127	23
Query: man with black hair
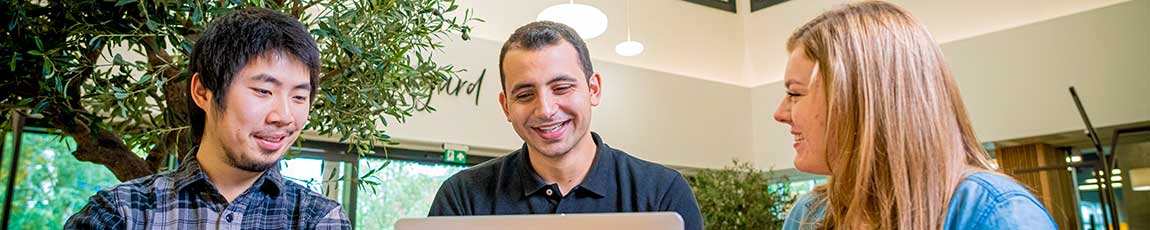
549	87
253	76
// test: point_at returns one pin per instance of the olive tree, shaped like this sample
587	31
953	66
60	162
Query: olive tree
112	74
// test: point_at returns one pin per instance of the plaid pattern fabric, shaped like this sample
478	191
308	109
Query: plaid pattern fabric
186	199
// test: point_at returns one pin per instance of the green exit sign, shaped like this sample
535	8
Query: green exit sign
455	156
455	153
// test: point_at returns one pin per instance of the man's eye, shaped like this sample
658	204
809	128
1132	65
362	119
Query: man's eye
262	92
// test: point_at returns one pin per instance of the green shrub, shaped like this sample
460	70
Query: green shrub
741	197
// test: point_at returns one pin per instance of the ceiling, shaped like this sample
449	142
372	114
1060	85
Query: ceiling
746	49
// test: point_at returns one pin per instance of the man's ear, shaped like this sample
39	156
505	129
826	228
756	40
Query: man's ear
595	83
503	104
201	95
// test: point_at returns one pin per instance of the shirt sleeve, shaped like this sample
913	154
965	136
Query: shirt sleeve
335	219
1018	212
448	200
98	214
681	200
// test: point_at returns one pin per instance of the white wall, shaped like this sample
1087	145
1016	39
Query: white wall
458	119
767	30
1014	82
657	116
772	140
677	34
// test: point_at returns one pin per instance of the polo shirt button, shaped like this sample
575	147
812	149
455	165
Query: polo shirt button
549	192
228	217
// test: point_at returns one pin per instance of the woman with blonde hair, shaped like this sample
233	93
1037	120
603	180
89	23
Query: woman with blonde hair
872	104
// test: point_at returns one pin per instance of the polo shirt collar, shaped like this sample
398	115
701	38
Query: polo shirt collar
598	182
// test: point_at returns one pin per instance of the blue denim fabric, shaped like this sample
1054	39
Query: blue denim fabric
982	201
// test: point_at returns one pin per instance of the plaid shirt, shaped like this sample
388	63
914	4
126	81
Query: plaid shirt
186	199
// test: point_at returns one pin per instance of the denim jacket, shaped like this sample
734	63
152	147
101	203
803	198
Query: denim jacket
982	201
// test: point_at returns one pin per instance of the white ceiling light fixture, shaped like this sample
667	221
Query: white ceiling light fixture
587	20
629	48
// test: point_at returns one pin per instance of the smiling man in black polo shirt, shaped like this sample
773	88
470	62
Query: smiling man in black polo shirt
549	88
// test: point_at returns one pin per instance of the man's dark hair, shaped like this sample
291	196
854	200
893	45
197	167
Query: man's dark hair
542	34
233	40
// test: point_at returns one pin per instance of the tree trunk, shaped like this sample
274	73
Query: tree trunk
106	148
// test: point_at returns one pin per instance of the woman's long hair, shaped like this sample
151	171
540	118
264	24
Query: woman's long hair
899	139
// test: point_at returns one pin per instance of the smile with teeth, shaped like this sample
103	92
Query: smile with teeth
270	138
551	128
270	142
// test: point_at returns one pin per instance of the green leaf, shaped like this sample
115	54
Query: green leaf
47	68
197	15
25	101
187	46
39	45
40	107
124	2
152	25
119	60
319	32
35	52
123	109
59	85
12	63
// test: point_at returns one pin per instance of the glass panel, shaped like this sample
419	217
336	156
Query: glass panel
1133	170
1089	200
404	189
321	176
804	186
303	171
51	184
7	164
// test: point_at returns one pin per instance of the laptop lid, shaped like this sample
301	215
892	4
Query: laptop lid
591	221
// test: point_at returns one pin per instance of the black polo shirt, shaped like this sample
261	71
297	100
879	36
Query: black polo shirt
617	182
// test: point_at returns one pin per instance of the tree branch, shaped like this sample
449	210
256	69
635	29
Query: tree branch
106	148
97	146
175	113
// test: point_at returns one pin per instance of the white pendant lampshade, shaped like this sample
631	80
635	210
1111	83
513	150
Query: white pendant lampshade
587	20
629	48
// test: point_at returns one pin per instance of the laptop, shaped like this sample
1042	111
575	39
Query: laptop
591	221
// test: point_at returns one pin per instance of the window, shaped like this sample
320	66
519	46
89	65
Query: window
800	187
51	184
402	189
322	176
400	185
